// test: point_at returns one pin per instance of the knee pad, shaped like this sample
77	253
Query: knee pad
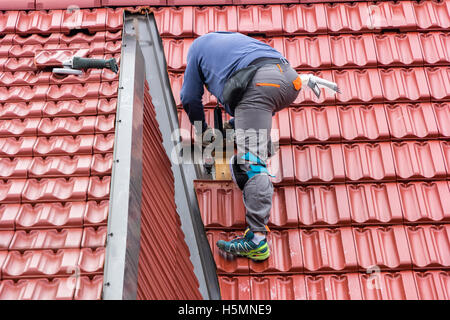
237	174
240	176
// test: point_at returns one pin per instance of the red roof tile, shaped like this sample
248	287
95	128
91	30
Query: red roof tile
304	19
424	201
282	166
285	244
432	285
22	5
8	213
368	162
418	160
333	287
363	123
388	14
384	247
435	48
235	288
411	121
174	21
226	198
318	164
429	246
404	84
41	289
177	49
323	205
374	203
358	86
388	286
259	19
305	52
64	4
46	239
349	51
439	82
89	289
284	209
50	215
398	49
197	2
432	15
209	19
56	140
328	250
40	263
314	125
287	287
348	17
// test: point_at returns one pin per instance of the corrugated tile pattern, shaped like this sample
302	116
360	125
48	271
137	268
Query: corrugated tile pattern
56	156
361	204
165	270
56	152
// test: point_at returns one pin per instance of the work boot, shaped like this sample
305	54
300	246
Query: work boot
245	247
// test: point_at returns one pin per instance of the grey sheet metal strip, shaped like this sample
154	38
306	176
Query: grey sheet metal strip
123	241
185	174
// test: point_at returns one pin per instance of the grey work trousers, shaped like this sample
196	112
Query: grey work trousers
271	90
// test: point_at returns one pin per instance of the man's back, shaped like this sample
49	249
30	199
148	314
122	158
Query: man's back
216	56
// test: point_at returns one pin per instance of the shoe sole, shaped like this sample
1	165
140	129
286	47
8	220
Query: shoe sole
255	254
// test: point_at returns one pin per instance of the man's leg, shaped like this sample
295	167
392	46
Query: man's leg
271	90
252	127
252	138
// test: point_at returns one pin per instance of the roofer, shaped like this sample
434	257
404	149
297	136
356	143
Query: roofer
253	81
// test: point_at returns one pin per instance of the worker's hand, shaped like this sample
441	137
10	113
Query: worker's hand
207	137
228	126
229	137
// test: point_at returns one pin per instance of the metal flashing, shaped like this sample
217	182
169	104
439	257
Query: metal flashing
123	239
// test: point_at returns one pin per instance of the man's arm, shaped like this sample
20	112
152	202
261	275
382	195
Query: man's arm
192	90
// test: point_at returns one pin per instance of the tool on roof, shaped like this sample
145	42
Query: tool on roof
315	83
209	162
221	166
218	122
74	65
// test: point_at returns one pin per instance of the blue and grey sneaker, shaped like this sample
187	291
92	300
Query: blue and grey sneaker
245	247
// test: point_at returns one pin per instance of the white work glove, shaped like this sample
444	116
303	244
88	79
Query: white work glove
315	83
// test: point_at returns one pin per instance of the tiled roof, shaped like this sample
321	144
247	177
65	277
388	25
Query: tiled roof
56	144
362	178
56	157
165	270
361	205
